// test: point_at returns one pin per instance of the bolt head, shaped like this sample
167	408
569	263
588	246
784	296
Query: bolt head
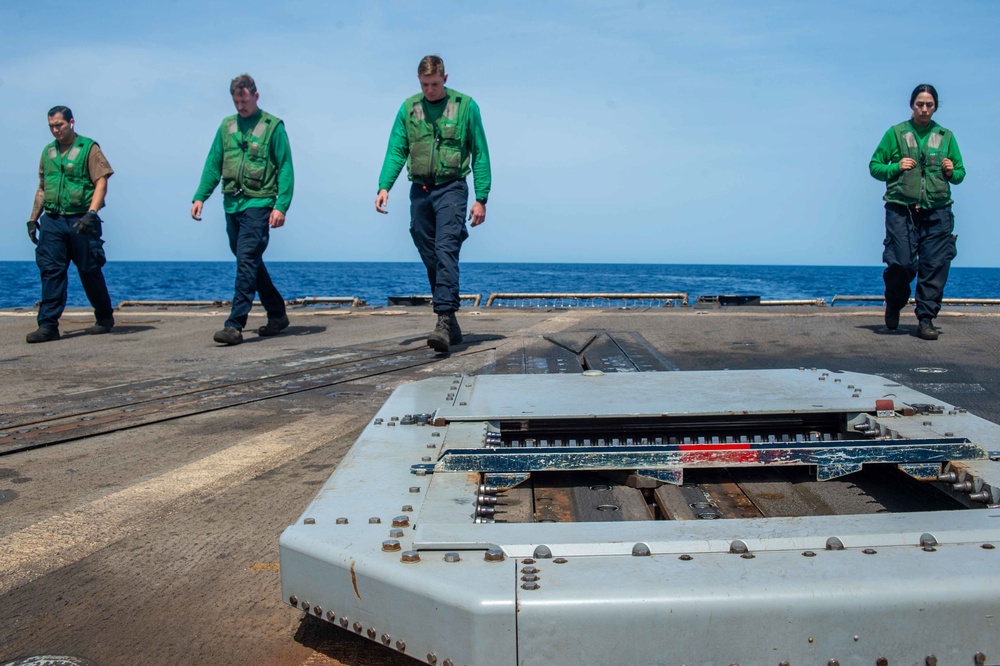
293	600
881	661
931	660
391	545
410	557
529	586
809	553
493	555
343	622
529	570
685	558
869	551
331	616
374	520
432	658
386	639
401	521
407	508
305	605
309	521
371	633
447	662
396	533
341	521
414	489
401	646
451	557
317	611
358	627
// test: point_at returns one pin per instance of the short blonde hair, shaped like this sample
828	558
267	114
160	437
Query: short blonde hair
431	65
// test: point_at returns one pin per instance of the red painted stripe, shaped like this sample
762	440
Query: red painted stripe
714	447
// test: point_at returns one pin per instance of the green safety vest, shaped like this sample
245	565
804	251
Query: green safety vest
438	152
68	189
924	185
247	165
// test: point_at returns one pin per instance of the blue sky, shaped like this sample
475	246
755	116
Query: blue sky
636	132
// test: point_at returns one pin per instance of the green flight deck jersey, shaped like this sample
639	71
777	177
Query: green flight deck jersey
438	142
925	185
252	159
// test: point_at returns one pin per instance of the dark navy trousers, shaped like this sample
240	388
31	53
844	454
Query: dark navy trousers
248	236
58	245
437	225
921	244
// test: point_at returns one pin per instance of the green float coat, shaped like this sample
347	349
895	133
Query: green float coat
246	157
68	188
925	185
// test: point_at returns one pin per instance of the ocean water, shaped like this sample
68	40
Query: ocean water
375	282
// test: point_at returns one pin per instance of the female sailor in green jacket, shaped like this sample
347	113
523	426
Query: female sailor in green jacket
919	161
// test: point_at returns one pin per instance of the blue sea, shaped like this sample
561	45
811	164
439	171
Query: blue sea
375	282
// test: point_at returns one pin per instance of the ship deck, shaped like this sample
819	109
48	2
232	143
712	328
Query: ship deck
146	475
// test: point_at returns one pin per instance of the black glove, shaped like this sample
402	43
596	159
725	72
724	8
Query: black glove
86	223
33	231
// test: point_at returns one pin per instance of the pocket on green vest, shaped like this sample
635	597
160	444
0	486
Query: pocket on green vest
253	174
420	160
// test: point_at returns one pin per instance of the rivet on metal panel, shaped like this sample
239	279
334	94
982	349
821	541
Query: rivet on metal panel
748	556
881	661
869	551
432	446
529	578
293	600
401	646
414	489
738	547
395	533
419	472
980	659
407	507
343	622
386	639
317	611
432	658
784	663
308	521
856	638
391	545
493	555
530	570
834	543
331	616
809	553
358	627
530	586
542	552
988	546
452	557
833	662
447	662
305	605
527	560
401	521
425	458
463	404
378	421
409	557
559	560
685	558
341	521
374	520
811	639
372	633
930	660
640	550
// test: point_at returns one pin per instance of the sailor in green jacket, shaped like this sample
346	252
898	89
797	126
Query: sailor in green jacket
252	158
438	134
72	183
919	161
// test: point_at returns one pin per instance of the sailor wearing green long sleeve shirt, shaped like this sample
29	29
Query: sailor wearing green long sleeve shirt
919	161
438	134
251	157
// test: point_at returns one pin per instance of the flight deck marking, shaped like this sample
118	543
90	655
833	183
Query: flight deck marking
69	537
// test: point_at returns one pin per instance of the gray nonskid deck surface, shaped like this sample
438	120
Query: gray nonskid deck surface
151	535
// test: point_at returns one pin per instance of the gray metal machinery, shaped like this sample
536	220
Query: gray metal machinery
742	517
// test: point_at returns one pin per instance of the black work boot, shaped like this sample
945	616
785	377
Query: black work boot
926	330
455	334
891	317
440	337
229	336
102	326
42	335
273	326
